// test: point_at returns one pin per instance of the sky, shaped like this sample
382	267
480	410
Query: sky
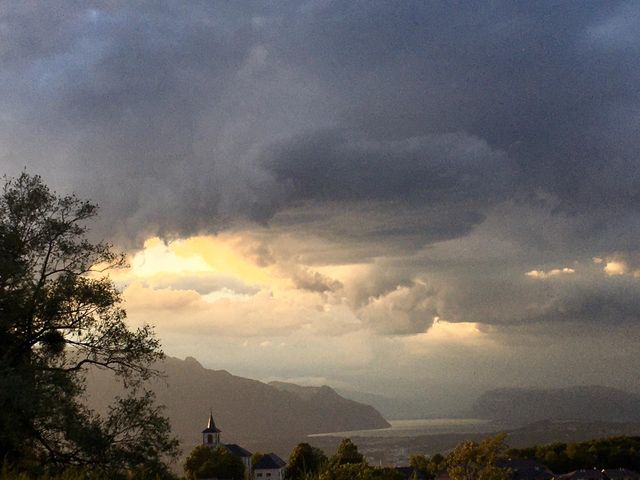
418	199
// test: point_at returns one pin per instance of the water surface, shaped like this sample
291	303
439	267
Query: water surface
418	427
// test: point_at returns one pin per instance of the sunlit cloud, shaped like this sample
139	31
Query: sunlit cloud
443	331
224	293
550	273
619	265
615	268
158	257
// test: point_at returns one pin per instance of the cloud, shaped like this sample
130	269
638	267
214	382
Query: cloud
180	122
405	310
616	268
440	169
347	172
550	273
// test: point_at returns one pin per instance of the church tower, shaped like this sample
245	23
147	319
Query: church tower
211	434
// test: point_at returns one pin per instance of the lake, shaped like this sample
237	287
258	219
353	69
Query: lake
418	427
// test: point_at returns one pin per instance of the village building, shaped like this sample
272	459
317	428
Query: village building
211	434
269	467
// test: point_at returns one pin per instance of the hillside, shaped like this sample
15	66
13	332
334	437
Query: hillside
247	411
330	404
587	403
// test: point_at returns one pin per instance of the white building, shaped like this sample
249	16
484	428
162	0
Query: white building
269	467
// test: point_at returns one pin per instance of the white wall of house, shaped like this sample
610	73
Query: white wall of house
268	474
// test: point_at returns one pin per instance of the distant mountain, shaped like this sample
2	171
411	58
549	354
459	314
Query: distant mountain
586	403
245	410
351	415
429	404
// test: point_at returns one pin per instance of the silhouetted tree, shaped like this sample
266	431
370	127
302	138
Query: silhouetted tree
59	316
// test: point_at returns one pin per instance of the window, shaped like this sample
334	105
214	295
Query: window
209	438
259	474
268	474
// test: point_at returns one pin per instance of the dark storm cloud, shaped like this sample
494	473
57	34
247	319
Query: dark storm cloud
543	82
147	104
112	98
552	84
438	169
586	296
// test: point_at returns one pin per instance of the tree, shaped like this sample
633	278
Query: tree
347	463
60	315
206	462
304	460
347	453
428	466
477	461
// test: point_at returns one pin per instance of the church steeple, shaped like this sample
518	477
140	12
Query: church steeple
211	434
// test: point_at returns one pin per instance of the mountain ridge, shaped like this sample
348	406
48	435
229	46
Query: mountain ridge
246	410
583	402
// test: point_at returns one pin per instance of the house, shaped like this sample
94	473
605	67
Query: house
269	467
242	454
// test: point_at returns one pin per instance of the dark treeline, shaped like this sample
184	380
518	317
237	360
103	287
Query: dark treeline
473	460
616	452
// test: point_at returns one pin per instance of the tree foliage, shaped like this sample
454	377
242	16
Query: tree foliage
310	463
59	315
614	452
206	462
255	458
304	460
428	466
347	453
477	461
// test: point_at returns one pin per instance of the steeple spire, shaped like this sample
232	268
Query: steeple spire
211	434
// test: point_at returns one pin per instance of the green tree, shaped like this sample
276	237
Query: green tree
206	462
428	466
420	463
347	463
60	315
477	461
347	453
304	460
